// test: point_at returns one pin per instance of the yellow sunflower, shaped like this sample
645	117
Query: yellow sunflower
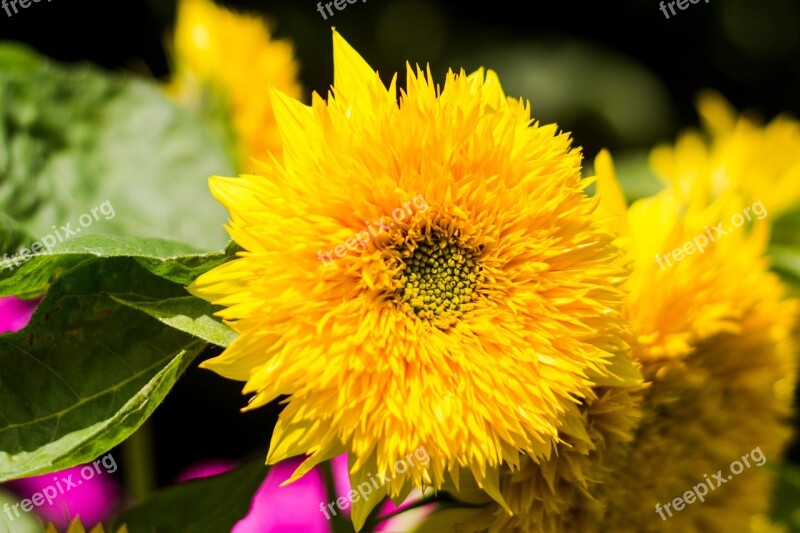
735	152
221	56
467	326
713	331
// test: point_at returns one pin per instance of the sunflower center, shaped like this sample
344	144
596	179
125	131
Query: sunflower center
438	280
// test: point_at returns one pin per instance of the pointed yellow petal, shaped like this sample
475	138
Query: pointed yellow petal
363	507
622	372
612	207
352	76
491	485
295	124
718	115
331	450
285	439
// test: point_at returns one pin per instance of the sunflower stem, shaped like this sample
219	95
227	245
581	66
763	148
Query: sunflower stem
444	500
339	524
419	503
137	454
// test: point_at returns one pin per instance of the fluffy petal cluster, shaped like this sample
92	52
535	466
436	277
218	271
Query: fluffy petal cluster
717	354
233	58
559	493
473	329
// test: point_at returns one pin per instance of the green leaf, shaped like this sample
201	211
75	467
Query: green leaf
786	262
786	495
188	314
18	57
210	504
104	153
634	175
173	261
86	372
784	229
463	520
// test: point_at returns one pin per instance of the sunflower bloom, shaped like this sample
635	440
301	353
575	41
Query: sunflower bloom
230	58
714	343
468	328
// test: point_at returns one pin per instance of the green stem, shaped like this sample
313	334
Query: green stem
444	500
419	503
339	523
137	454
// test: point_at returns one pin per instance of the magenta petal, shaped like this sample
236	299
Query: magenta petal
206	469
79	491
15	313
289	509
341	479
387	508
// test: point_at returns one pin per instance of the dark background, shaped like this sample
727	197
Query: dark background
616	74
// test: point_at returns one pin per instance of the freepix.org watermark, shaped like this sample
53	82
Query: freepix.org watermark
702	240
60	487
338	4
682	5
364	489
59	234
13	4
361	238
714	482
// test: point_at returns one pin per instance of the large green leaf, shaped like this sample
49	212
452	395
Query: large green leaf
176	262
79	142
86	371
210	504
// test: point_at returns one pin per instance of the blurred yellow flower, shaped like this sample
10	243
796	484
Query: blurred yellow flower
558	493
735	153
221	55
762	524
713	336
474	329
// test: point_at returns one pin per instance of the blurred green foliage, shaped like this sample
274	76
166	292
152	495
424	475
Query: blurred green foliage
73	138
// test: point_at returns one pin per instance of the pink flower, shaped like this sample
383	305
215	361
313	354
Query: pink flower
88	491
295	507
206	469
298	506
15	313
